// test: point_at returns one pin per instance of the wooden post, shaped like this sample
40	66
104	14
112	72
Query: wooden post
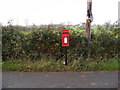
88	24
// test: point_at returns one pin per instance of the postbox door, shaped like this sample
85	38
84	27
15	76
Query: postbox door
65	41
65	38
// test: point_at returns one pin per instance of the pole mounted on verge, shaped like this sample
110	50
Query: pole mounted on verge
65	42
88	24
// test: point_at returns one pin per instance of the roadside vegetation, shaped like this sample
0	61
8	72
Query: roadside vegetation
58	66
38	48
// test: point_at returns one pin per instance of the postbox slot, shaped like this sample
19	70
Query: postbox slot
65	33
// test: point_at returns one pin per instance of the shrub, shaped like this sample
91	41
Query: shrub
45	43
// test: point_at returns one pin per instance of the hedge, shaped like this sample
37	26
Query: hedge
43	43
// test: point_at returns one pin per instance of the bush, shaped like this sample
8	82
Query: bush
43	43
11	43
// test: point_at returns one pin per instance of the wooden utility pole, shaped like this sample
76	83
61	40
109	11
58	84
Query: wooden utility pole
119	13
88	24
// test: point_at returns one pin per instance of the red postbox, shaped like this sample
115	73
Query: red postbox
65	38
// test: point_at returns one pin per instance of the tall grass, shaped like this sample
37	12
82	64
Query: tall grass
58	66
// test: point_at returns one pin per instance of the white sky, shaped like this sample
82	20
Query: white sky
56	11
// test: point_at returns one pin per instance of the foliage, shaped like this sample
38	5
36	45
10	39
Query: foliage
44	42
57	66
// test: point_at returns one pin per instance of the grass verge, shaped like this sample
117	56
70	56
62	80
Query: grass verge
58	66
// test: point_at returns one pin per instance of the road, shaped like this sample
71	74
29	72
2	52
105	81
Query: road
60	80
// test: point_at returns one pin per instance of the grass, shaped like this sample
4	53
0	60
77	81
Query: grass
58	66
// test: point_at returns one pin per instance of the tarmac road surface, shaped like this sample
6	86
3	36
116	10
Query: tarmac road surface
60	79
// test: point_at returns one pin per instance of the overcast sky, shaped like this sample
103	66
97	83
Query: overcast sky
56	11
